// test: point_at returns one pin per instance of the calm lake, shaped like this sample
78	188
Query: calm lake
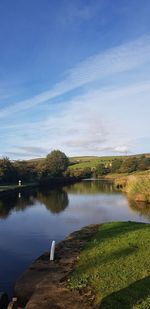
30	221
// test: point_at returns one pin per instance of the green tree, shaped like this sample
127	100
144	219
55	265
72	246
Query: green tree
26	171
129	165
116	165
7	171
56	163
143	163
101	169
87	173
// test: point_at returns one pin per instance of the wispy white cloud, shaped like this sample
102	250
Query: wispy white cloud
121	149
101	120
98	122
117	60
33	149
15	154
26	151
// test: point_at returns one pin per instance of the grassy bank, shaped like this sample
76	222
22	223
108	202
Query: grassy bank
138	189
114	266
16	188
47	183
136	184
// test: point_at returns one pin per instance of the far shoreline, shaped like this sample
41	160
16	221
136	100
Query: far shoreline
52	183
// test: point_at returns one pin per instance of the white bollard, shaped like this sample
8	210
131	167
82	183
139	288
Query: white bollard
52	251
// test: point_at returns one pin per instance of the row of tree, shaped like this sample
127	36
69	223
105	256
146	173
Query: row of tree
54	165
128	165
125	165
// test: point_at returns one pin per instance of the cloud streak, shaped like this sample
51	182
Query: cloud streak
117	60
97	122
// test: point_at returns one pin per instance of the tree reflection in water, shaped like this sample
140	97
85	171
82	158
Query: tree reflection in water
92	187
141	208
57	200
54	200
15	202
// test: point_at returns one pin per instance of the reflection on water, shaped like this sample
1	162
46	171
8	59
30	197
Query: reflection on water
92	187
143	209
55	201
31	220
16	202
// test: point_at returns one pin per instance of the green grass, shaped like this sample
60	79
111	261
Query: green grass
3	188
14	187
9	187
83	158
115	266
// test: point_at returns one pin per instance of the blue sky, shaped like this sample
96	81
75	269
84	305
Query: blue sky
74	76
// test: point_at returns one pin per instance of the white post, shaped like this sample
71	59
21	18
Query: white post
19	182
52	251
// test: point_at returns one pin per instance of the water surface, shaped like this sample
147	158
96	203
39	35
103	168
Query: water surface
30	221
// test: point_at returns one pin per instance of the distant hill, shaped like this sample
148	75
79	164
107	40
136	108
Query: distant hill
81	162
92	161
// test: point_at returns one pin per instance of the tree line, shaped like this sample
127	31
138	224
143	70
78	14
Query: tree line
131	164
118	165
54	165
128	165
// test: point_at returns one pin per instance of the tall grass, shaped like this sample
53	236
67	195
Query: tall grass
138	188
